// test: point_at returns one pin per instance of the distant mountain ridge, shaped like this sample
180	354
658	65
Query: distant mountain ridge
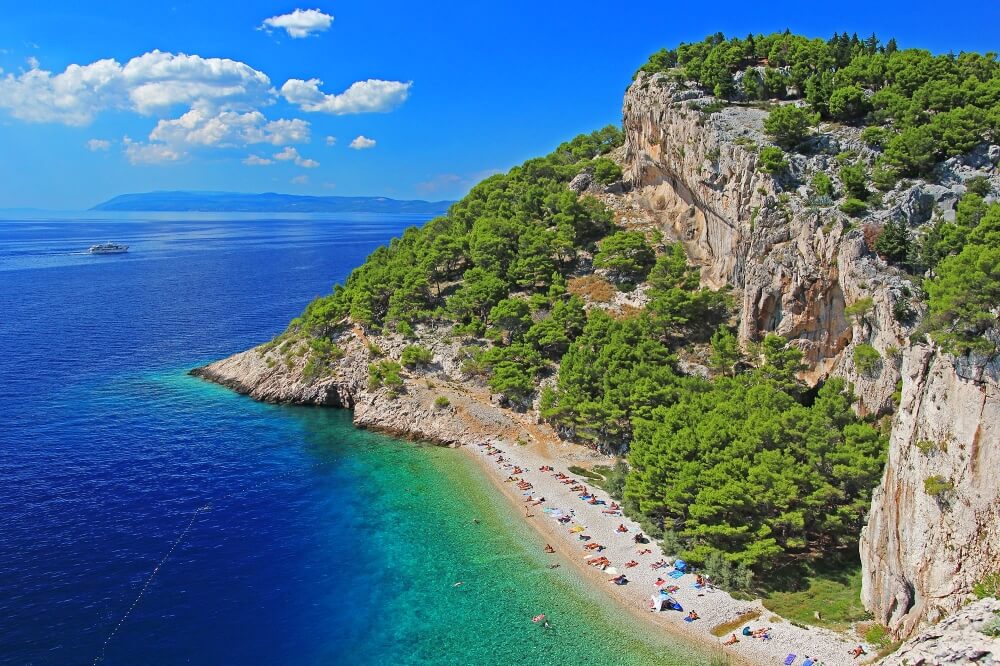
268	202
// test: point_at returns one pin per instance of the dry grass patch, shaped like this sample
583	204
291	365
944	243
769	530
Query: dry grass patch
721	630
592	288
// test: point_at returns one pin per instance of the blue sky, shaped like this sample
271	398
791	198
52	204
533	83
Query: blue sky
447	91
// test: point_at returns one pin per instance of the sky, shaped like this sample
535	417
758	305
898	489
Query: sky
352	98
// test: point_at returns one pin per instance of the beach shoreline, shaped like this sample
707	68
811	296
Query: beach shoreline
714	607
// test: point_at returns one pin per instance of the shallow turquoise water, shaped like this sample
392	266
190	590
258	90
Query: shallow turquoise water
321	543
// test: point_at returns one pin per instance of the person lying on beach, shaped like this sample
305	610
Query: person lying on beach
763	634
549	548
614	506
732	639
645	551
658	565
592	546
621	528
620	579
858	651
631	563
537	502
658	582
639	538
692	616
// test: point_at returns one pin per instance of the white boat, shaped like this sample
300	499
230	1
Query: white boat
108	248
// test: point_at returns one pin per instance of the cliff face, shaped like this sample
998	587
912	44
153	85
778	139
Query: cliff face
798	266
934	526
959	639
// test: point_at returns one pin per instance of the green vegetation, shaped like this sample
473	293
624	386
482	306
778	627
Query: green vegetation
385	373
866	358
821	184
989	586
937	486
965	288
825	595
626	255
925	107
441	402
854	207
788	125
414	355
772	161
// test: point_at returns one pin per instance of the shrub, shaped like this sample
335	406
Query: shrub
903	311
441	402
854	207
822	185
788	125
989	586
606	171
375	350
937	486
405	329
853	177
772	161
385	373
414	355
894	243
627	255
884	177
860	308
871	232
979	185
866	358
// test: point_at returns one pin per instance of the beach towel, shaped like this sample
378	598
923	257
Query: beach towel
675	573
808	662
789	659
688	619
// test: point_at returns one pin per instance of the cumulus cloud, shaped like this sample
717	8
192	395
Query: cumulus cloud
256	160
371	96
362	142
206	127
146	84
331	141
95	145
150	153
299	23
291	154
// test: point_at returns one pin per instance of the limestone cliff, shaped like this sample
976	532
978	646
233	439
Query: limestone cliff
798	266
934	526
967	637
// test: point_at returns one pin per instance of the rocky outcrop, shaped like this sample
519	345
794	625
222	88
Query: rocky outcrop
967	637
277	373
797	266
934	526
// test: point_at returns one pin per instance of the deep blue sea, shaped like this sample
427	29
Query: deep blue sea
147	517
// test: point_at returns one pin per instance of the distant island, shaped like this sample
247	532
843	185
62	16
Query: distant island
268	202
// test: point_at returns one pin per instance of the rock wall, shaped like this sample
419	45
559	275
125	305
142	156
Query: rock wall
797	267
934	526
959	639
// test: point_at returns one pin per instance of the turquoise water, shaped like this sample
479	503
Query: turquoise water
299	539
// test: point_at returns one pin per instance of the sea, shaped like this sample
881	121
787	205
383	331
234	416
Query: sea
149	517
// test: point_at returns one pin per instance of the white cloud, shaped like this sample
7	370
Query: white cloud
95	145
300	180
299	23
331	141
290	154
206	127
152	82
256	160
371	96
33	62
362	142
150	153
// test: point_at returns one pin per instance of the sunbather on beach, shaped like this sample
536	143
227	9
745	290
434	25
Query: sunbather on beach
621	528
549	548
858	651
692	616
732	639
631	563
